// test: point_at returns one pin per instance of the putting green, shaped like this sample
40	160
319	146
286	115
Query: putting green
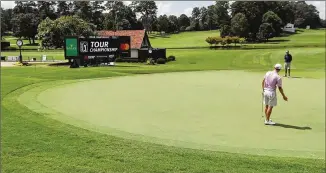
201	110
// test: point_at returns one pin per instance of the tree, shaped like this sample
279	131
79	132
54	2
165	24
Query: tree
97	14
83	9
25	7
239	25
225	30
323	23
285	10
148	10
221	16
4	26
195	18
173	24
6	16
210	40
46	9
163	23
265	30
120	17
210	20
306	15
52	32
183	22
253	10
64	8
113	17
25	25
203	19
272	18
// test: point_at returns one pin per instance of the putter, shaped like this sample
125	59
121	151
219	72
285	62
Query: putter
262	104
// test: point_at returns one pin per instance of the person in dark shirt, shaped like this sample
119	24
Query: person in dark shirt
287	64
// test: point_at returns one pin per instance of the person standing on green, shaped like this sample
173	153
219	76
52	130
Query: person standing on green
287	63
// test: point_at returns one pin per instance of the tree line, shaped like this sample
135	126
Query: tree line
248	19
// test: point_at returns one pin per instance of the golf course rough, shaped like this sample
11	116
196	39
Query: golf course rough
212	110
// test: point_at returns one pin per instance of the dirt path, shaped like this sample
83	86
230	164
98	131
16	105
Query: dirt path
7	64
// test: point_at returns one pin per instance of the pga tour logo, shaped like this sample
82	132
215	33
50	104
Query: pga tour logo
83	46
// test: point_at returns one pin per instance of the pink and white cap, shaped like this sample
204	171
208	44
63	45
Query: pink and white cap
278	66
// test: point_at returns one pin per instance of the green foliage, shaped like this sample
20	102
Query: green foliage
163	23
228	40
4	44
183	21
224	41
265	30
118	59
147	10
150	61
25	25
221	15
242	40
239	25
225	30
235	40
161	61
273	19
52	32
210	40
4	26
171	58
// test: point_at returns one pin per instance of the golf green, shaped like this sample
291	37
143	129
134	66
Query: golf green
212	110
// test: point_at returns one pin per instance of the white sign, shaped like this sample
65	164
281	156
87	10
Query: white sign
43	57
13	58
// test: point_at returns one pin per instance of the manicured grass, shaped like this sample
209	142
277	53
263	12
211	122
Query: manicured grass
303	38
307	62
56	55
32	142
183	39
199	115
26	45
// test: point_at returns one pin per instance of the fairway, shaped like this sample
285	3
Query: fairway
212	110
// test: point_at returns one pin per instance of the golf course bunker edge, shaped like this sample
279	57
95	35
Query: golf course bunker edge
211	110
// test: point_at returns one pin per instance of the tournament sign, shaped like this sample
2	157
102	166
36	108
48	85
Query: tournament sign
71	47
75	47
104	46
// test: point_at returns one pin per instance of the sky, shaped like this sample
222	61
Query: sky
185	7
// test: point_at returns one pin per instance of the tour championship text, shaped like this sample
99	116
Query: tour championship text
97	46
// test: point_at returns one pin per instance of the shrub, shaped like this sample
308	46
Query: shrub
171	58
217	40
118	60
210	40
5	44
223	42
190	28
235	40
242	40
150	61
160	61
228	40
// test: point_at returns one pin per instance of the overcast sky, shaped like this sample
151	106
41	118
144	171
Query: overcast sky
180	7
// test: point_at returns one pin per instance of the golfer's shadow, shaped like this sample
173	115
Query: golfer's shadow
292	127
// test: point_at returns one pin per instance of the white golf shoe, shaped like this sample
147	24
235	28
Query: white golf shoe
270	122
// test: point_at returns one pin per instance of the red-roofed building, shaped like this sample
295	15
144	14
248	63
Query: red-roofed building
138	39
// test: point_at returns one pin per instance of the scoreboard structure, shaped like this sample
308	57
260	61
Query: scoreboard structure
108	48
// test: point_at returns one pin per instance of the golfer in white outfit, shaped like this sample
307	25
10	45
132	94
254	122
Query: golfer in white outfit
269	84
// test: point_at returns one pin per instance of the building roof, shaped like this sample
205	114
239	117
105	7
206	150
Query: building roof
136	36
